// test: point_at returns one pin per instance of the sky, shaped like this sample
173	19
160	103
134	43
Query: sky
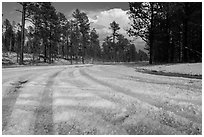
100	15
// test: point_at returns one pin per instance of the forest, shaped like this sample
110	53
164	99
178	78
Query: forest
172	32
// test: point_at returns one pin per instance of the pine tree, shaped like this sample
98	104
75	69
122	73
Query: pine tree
115	27
94	49
84	26
143	14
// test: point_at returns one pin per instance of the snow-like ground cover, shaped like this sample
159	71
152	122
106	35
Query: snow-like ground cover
9	59
183	68
99	100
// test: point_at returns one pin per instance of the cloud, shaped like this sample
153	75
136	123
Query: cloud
100	20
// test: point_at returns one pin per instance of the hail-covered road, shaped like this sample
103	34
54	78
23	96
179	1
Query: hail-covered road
98	99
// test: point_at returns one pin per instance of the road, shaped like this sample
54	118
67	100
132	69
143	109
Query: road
98	99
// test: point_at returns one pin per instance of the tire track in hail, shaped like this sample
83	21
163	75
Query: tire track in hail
117	117
44	118
71	76
144	99
147	97
191	89
9	100
64	127
149	79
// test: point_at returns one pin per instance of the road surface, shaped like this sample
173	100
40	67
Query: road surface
98	99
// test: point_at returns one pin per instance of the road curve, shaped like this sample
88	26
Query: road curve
98	99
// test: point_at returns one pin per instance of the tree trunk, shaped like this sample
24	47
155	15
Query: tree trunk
94	56
169	46
151	36
185	46
33	53
22	34
50	47
45	51
71	50
17	51
83	49
5	40
50	53
63	51
67	49
185	34
114	46
10	43
180	45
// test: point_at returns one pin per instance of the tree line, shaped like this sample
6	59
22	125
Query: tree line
172	30
52	36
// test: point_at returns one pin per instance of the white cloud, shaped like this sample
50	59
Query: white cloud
100	20
104	18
